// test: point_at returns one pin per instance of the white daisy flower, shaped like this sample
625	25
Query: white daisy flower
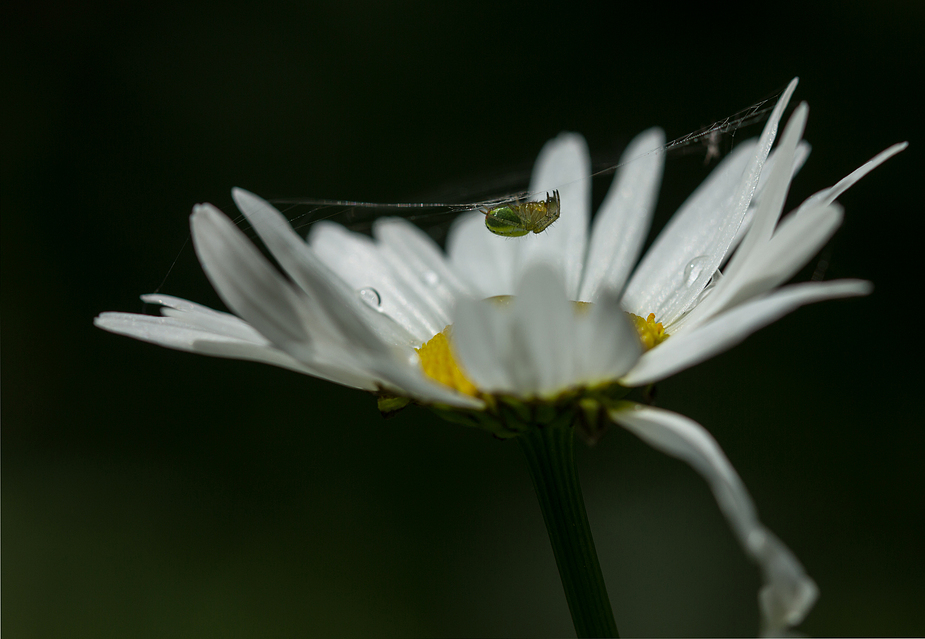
375	314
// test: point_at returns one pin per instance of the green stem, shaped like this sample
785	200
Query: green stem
548	450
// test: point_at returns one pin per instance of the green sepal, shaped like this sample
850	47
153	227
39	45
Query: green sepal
475	419
592	415
389	405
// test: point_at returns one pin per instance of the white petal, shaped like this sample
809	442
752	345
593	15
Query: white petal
356	260
799	159
657	280
341	373
607	344
721	333
174	332
747	275
481	344
828	195
253	289
410	381
622	223
397	368
248	284
772	202
308	272
799	237
171	332
483	260
543	334
673	274
248	344
563	164
523	346
423	258
787	592
206	318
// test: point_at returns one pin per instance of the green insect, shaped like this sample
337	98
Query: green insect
515	220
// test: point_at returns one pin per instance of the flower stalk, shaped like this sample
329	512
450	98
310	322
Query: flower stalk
549	451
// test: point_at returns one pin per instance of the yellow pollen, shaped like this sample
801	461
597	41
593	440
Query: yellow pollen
651	333
439	364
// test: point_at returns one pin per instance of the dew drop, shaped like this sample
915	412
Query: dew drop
371	297
694	268
430	278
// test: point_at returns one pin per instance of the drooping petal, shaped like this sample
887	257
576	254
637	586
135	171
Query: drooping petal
622	223
564	164
694	244
721	333
787	592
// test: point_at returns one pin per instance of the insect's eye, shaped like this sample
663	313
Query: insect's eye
505	221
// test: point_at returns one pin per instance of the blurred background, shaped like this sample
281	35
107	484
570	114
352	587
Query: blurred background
151	493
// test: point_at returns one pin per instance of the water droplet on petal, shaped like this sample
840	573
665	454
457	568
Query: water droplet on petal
371	297
694	268
430	278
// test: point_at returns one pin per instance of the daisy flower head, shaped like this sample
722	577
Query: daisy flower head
512	335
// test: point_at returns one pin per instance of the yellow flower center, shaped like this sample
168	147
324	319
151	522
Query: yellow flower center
651	333
438	362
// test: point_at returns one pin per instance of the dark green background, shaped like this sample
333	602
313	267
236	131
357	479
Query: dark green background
149	493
